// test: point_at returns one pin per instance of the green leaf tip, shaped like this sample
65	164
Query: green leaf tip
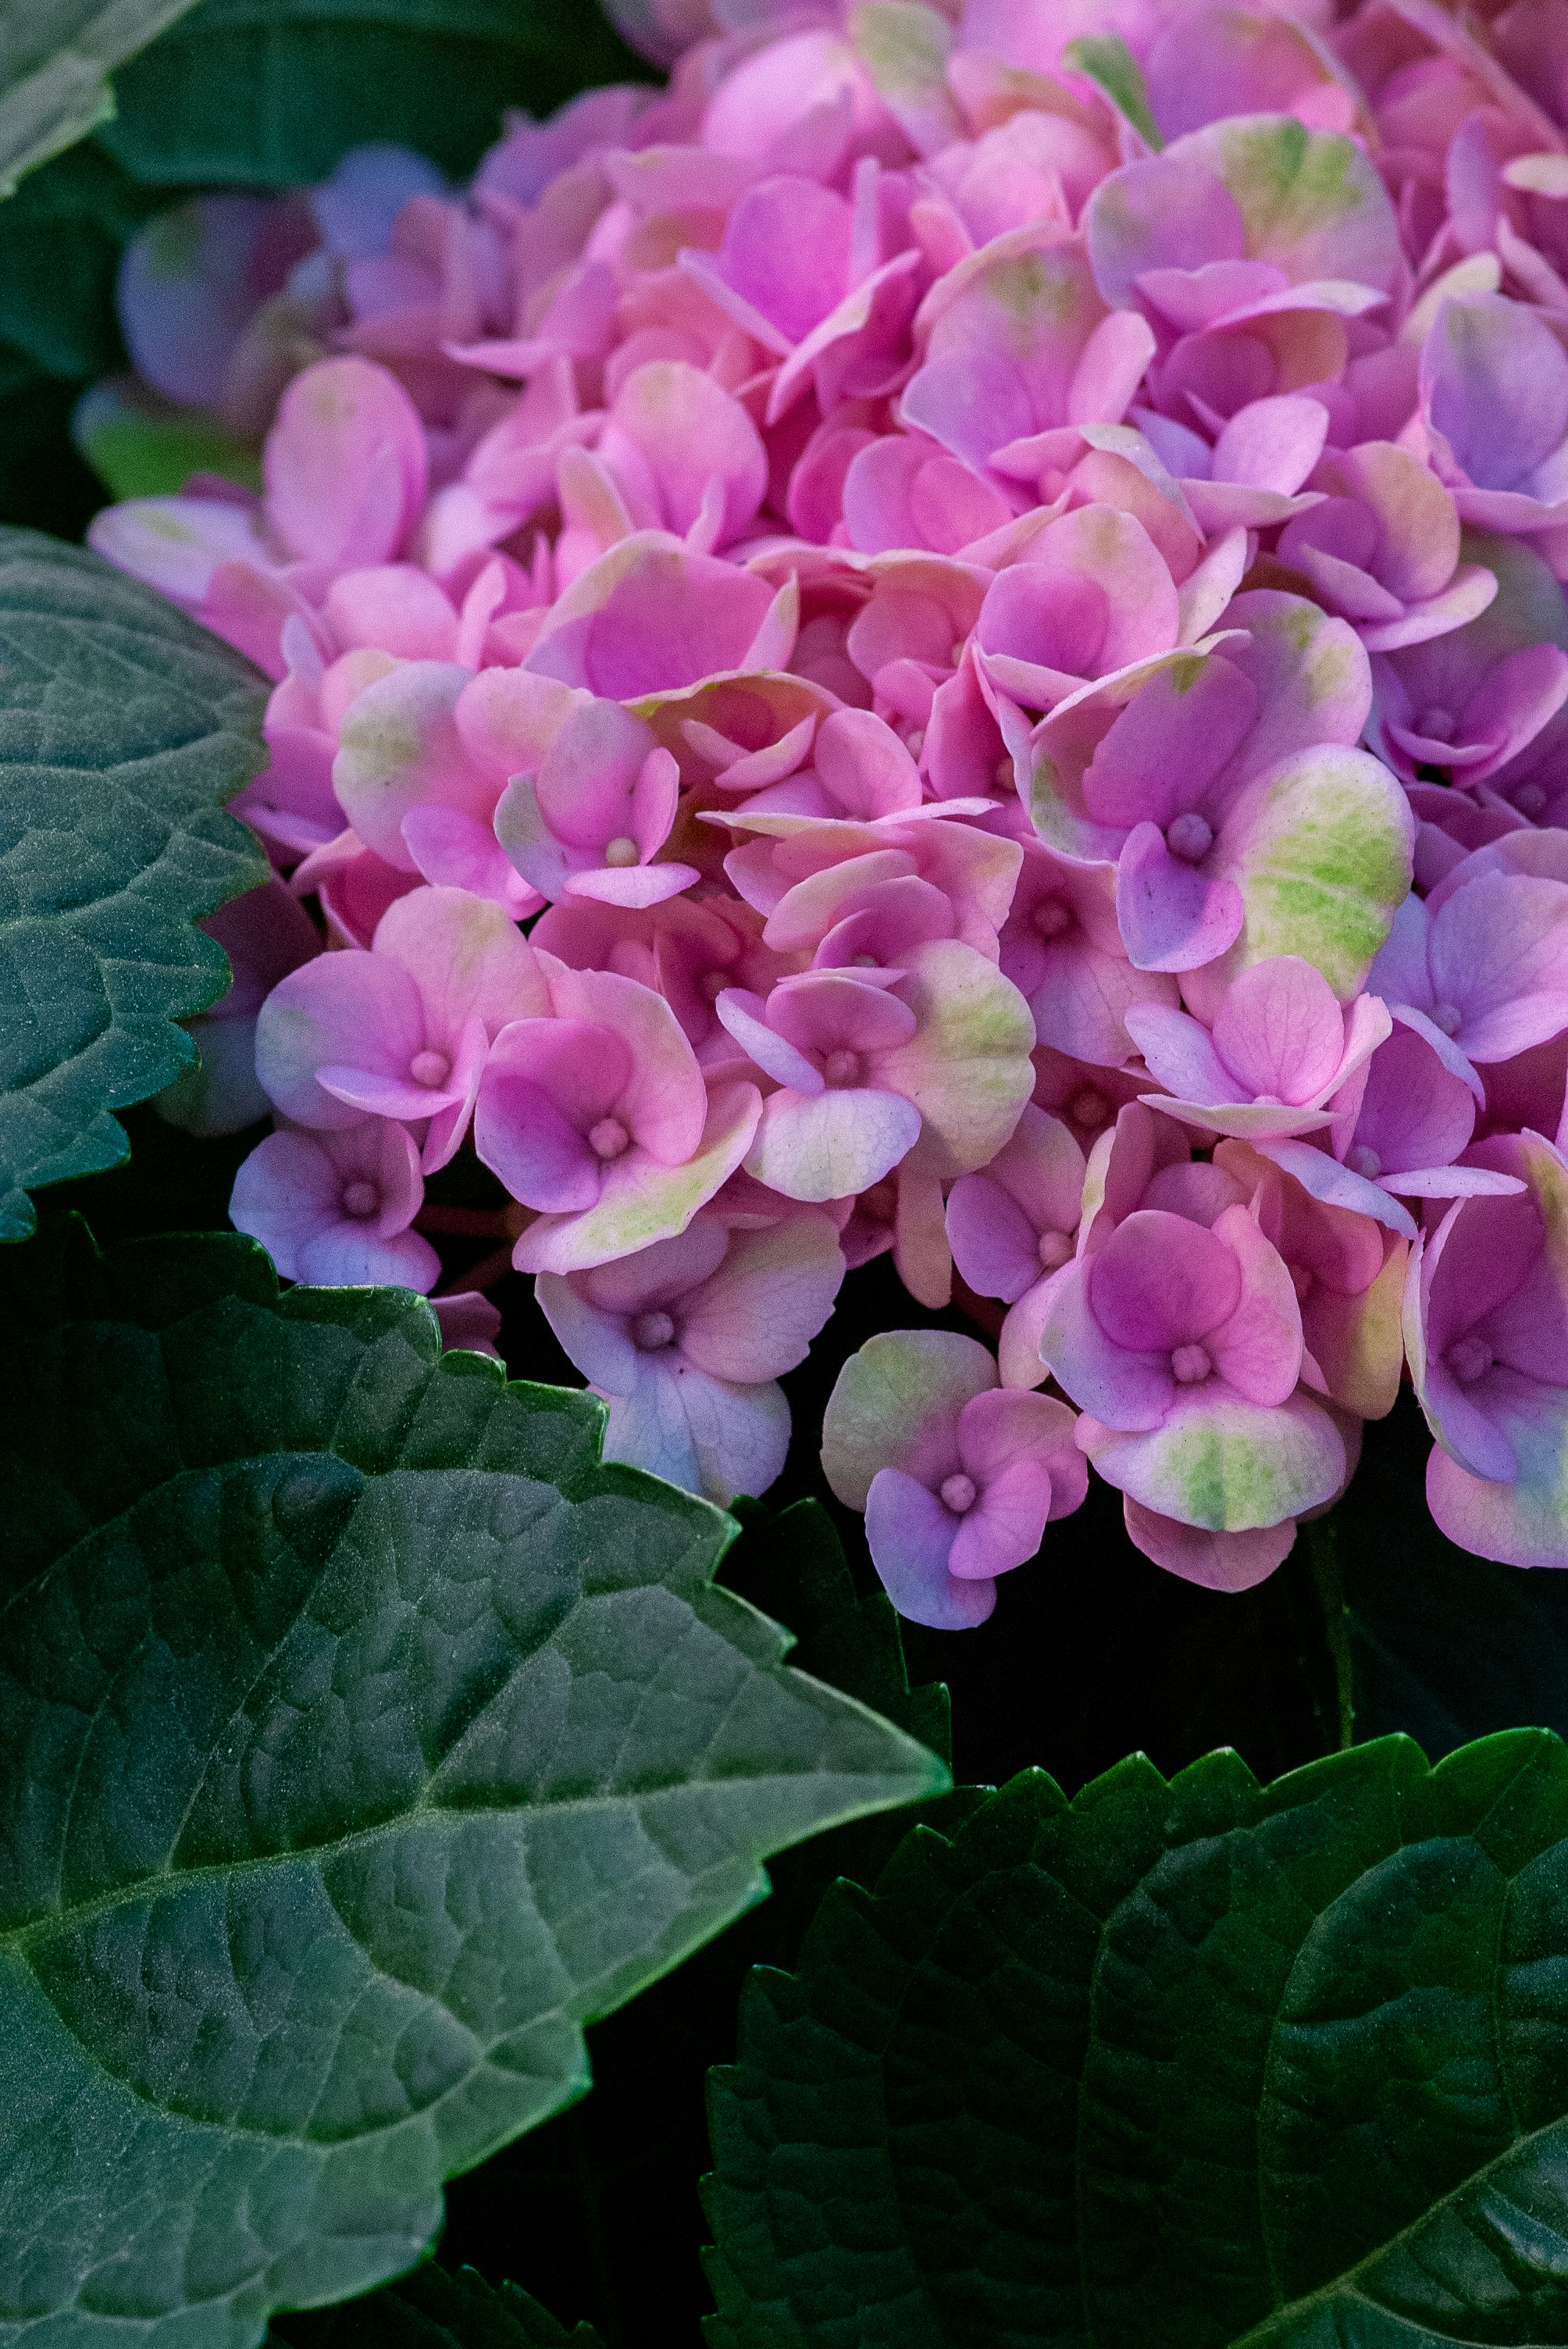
58	55
361	1739
1190	2064
124	729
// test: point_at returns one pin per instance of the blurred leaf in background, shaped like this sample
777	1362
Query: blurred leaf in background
239	93
55	56
266	93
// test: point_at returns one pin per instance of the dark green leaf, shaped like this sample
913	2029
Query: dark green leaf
123	730
44	483
793	1565
433	2309
363	1738
1172	2067
60	240
265	93
55	56
599	2208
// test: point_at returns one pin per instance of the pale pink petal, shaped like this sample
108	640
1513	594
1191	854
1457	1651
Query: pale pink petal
911	1537
1216	1561
346	464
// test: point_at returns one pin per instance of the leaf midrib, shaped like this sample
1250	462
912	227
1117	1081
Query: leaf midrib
318	1855
1324	2294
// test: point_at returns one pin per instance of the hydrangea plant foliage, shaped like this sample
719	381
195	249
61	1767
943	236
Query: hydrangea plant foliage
853	751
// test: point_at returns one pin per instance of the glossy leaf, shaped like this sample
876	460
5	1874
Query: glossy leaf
265	93
55	56
123	730
364	1739
1179	2063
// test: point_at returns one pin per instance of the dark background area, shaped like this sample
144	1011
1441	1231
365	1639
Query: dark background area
1375	1623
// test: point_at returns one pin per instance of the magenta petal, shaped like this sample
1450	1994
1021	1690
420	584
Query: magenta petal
1124	1388
1218	1561
1159	1281
1258	1349
1281	1029
1334	1185
744	1017
1006	1526
352	1010
1499	954
546	1083
1173	917
346	464
1172	737
994	1246
911	1536
1180	1053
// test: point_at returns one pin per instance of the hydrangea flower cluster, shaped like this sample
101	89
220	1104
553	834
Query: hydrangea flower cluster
944	637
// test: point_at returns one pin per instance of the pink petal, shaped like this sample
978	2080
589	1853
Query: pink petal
1173	917
911	1537
757	1314
342	1009
1159	1281
994	1246
346	464
1007	1524
1223	1465
1258	1348
1125	1389
689	432
832	1145
546	1083
1217	1561
1281	1030
1180	1053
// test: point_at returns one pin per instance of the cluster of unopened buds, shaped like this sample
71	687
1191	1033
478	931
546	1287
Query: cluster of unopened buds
931	641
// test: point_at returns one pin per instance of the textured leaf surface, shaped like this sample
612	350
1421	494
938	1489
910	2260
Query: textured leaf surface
54	59
123	730
265	93
363	1738
433	2309
1171	2066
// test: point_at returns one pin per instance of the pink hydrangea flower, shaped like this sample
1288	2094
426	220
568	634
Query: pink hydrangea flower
1487	1331
1181	1343
997	606
594	1114
1013	1227
687	1341
334	1208
1280	1049
958	1477
401	1032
